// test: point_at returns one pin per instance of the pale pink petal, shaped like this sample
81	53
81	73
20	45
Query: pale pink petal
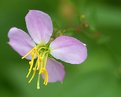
68	49
39	26
55	70
20	41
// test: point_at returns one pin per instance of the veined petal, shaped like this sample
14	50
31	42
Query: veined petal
68	49
39	26
55	70
20	41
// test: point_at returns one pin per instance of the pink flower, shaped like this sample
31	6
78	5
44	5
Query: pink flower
36	47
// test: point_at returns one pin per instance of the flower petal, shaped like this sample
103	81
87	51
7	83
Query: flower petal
20	41
68	49
55	70
39	25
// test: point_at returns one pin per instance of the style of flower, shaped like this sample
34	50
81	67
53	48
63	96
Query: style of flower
37	48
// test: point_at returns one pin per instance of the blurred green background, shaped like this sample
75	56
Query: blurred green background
95	22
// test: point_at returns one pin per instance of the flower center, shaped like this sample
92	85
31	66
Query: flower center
38	61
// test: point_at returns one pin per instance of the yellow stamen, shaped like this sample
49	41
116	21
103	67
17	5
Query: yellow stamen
40	64
34	72
31	64
45	73
28	53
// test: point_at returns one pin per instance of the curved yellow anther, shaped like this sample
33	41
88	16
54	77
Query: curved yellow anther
45	74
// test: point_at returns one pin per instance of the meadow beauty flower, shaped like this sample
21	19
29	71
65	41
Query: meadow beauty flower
37	48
